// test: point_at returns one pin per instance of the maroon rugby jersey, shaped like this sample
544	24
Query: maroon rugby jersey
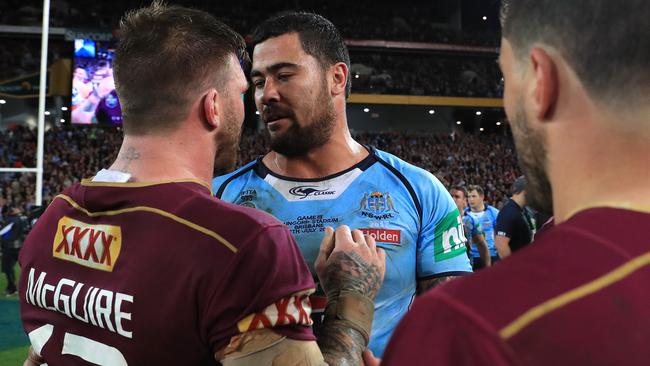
143	274
578	296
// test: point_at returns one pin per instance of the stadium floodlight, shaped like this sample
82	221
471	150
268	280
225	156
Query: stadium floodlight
64	108
431	111
484	17
62	120
356	76
458	122
366	110
2	101
498	123
481	129
257	112
47	113
478	113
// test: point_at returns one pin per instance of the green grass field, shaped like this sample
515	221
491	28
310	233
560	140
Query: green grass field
13	341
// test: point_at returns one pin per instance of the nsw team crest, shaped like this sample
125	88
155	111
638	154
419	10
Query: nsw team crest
377	205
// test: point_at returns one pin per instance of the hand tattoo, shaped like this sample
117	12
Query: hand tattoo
351	272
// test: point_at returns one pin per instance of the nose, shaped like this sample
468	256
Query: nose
268	94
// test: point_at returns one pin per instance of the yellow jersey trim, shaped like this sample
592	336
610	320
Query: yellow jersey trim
154	210
622	205
566	298
89	183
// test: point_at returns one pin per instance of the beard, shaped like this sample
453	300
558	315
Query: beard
298	140
531	153
228	144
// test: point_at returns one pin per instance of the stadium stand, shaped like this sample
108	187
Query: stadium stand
73	153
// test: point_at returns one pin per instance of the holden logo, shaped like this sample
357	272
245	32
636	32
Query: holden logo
306	191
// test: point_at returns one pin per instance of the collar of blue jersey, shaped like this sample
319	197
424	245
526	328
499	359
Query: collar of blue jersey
262	170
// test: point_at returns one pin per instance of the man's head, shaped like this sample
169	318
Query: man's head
80	74
553	51
475	196
459	194
172	62
168	57
300	69
518	189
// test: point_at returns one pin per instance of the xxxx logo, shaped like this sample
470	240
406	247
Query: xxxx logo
94	246
287	311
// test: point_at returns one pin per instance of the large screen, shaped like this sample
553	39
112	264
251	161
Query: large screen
94	99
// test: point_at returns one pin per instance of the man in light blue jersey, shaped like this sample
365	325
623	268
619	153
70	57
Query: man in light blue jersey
473	231
317	176
486	216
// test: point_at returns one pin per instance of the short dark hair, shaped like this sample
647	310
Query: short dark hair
459	188
607	43
476	188
318	37
165	56
519	185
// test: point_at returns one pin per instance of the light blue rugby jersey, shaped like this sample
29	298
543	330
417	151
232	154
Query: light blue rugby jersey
487	220
407	210
472	227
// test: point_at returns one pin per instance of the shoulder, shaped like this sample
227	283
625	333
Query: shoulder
421	181
429	194
525	274
507	210
399	166
219	183
217	212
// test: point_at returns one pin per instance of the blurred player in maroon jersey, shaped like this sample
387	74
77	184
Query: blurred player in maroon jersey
140	265
577	92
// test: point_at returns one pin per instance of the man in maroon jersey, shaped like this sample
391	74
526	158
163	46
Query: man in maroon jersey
577	91
131	267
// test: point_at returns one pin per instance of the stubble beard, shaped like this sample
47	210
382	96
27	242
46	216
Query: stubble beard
299	140
532	157
228	144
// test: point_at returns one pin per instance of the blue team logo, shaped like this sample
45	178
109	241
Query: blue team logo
377	205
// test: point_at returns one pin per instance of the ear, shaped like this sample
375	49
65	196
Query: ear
211	108
545	79
340	73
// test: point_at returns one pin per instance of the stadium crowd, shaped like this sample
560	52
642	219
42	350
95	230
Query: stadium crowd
72	153
374	73
412	74
425	74
361	19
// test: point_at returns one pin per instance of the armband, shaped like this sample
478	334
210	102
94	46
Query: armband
354	310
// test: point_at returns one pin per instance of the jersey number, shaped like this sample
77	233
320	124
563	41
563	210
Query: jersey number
76	345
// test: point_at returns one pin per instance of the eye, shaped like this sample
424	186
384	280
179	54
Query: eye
284	77
259	83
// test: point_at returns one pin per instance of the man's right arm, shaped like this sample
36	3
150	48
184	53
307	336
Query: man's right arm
502	243
503	230
483	250
351	269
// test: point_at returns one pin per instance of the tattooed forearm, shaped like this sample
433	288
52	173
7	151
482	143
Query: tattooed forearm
351	273
342	341
424	285
340	344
